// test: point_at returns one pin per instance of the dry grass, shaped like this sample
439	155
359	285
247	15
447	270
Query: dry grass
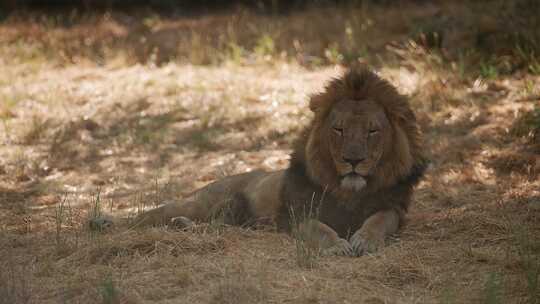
85	126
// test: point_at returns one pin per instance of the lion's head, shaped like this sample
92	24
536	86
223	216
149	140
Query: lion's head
364	135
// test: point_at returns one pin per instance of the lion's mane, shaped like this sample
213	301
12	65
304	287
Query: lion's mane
403	161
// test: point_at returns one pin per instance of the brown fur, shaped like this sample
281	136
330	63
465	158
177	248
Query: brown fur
347	221
361	84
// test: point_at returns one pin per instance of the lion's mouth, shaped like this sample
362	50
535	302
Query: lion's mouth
355	174
353	182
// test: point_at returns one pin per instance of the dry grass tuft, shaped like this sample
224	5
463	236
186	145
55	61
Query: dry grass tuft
239	286
147	243
15	283
528	125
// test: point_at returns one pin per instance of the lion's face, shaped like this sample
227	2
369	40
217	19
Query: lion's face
363	137
357	134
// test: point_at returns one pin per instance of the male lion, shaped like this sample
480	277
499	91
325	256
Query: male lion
356	163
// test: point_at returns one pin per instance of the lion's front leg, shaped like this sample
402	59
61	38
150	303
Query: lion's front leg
372	234
320	236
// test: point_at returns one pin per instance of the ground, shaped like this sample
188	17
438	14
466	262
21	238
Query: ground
89	126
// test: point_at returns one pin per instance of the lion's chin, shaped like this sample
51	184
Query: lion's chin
353	183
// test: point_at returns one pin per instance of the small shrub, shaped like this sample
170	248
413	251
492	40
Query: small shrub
235	52
265	46
528	125
333	55
60	219
488	71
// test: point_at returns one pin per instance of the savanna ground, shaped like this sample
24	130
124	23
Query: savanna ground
118	111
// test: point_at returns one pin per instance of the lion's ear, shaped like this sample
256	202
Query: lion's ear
316	102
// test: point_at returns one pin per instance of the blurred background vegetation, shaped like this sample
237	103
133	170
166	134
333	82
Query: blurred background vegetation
486	39
490	37
470	40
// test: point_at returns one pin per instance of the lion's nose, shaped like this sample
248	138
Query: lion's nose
354	161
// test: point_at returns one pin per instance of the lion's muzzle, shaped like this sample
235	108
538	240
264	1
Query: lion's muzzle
353	182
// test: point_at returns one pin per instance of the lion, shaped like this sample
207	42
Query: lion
356	163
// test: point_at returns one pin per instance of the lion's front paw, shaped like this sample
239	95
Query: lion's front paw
100	224
342	247
363	243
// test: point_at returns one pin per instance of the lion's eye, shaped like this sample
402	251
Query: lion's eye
339	131
373	132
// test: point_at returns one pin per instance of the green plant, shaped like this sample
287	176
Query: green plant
60	218
333	54
96	219
108	291
492	289
488	70
151	20
265	46
96	212
530	87
529	58
428	34
534	67
235	52
460	65
532	275
528	124
448	296
528	247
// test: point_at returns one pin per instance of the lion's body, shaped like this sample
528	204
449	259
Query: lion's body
277	197
353	168
240	198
